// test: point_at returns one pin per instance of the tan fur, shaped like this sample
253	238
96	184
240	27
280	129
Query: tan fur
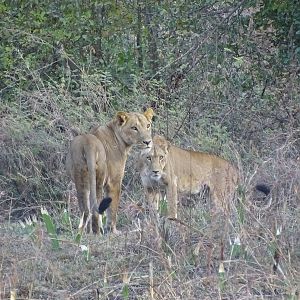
96	162
175	170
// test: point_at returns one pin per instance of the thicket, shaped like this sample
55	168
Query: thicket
215	71
222	76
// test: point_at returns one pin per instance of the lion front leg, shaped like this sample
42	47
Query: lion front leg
172	199
152	198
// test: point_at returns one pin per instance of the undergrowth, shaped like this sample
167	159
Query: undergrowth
252	254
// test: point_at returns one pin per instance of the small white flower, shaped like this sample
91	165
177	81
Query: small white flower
83	248
28	221
197	249
22	224
221	268
34	218
279	230
13	295
80	226
237	240
44	211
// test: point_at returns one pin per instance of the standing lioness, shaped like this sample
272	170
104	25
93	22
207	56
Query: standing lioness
174	170
96	163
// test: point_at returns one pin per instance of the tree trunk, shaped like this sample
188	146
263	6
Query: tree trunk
139	38
152	41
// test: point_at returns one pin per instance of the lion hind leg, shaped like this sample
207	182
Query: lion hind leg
220	200
91	154
83	201
113	192
102	204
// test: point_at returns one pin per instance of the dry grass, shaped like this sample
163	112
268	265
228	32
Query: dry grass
151	259
183	256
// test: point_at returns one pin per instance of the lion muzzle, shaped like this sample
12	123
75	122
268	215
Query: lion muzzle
155	175
147	143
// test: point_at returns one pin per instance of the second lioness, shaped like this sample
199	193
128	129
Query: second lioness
175	170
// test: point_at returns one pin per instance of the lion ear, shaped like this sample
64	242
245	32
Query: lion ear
122	117
162	142
166	145
149	113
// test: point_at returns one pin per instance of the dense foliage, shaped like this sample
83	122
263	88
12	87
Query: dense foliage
239	53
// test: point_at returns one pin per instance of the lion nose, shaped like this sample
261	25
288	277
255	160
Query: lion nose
155	172
147	143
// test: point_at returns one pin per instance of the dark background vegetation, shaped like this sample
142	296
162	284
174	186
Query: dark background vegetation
222	76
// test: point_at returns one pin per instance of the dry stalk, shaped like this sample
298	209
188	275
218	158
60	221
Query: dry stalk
151	281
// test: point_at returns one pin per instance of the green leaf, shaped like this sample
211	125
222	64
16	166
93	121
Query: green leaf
51	229
125	292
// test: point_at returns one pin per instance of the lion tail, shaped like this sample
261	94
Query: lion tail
263	188
104	204
266	190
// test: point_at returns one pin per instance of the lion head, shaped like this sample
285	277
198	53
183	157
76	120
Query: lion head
154	159
134	128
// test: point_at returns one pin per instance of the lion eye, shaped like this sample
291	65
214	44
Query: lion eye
161	157
134	128
149	158
148	125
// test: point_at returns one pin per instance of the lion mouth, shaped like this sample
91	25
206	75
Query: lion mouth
144	148
156	176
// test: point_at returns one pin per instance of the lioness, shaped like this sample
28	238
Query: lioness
96	163
172	169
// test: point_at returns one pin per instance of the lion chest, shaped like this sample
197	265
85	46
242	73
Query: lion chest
151	183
